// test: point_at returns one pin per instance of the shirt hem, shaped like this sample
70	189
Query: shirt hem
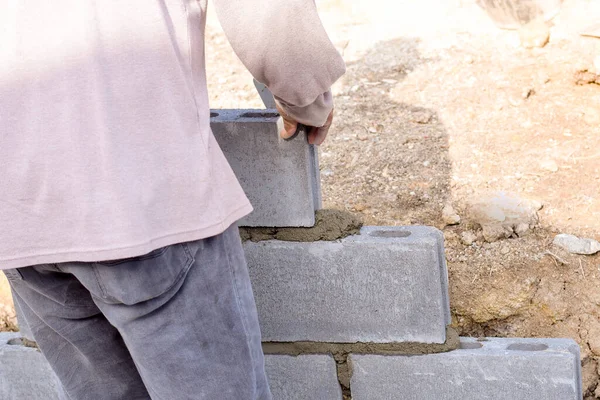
128	251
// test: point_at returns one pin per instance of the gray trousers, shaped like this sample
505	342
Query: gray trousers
177	323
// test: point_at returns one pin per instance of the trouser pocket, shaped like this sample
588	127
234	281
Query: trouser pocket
135	280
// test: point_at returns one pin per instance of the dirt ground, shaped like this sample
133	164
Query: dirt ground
440	107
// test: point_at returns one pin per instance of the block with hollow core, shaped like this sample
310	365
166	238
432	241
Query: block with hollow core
281	178
498	369
385	285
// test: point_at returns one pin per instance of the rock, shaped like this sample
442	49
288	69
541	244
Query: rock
493	233
504	250
576	245
468	238
480	237
589	374
360	207
549	165
534	34
449	216
421	117
593	337
585	76
527	93
522	229
500	215
496	305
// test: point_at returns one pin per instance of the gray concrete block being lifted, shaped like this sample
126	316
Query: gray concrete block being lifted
281	178
495	369
385	285
25	373
308	377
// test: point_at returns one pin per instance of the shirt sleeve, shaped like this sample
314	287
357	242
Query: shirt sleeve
284	45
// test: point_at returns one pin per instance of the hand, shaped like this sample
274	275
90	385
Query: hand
316	136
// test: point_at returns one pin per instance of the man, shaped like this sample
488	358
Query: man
106	154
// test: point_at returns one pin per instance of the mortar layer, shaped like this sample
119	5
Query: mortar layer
337	349
329	225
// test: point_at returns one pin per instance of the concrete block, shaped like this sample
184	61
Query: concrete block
25	373
281	178
387	284
496	369
308	377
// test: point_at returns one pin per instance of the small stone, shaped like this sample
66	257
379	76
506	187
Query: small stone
426	163
522	229
504	250
528	92
495	232
534	34
584	77
469	59
480	237
421	117
549	165
468	238
576	245
449	215
360	207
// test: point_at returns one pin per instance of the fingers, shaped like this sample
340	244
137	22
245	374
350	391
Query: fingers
318	135
289	125
289	128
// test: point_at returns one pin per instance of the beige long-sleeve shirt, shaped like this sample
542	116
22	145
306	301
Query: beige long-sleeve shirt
105	145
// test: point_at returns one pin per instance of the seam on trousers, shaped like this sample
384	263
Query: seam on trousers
241	312
100	286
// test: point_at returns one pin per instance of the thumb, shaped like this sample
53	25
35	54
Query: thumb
287	128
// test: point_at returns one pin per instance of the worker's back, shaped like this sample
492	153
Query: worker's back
105	145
